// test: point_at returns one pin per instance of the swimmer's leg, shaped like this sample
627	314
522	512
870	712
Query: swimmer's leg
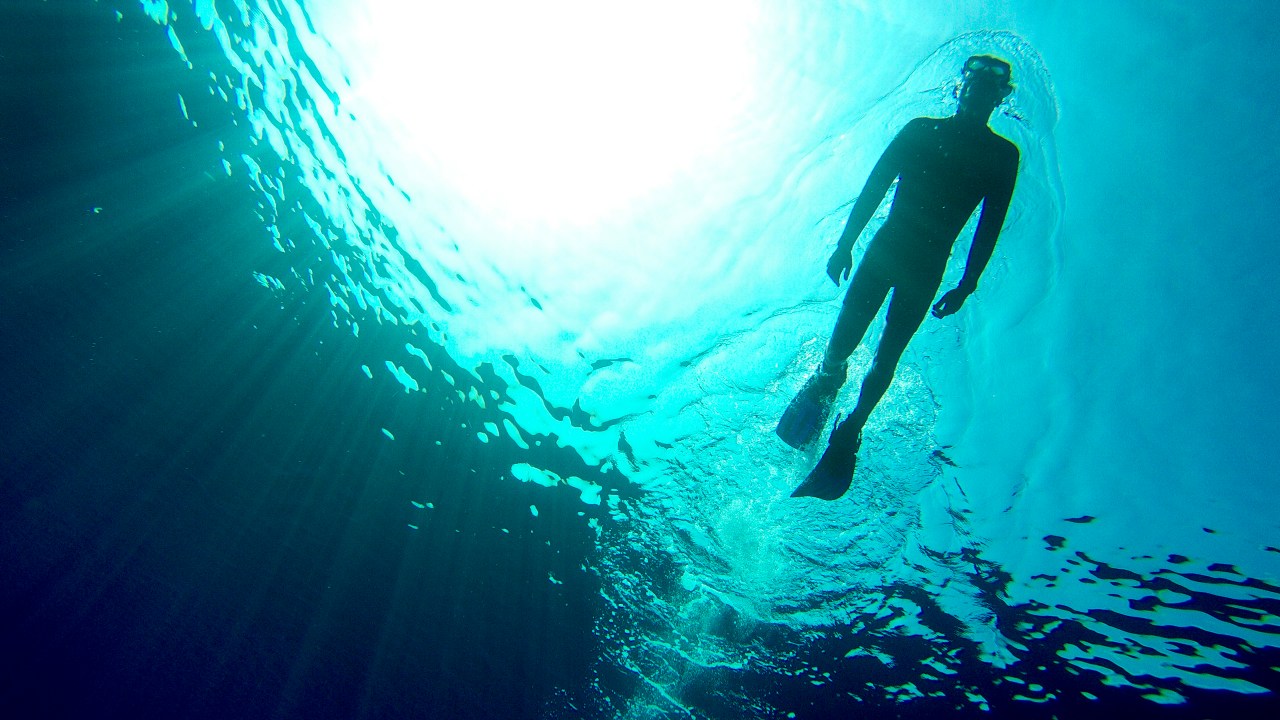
867	290
834	472
907	311
807	413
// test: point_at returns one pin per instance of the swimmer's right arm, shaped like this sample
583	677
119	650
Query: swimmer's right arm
882	176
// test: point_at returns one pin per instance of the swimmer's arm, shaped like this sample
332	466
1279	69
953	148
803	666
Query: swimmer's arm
994	207
990	222
887	169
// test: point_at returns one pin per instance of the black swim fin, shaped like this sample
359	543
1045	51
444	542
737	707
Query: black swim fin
802	419
808	411
833	474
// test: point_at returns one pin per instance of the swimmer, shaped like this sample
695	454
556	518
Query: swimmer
945	168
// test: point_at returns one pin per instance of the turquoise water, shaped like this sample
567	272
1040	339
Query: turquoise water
589	268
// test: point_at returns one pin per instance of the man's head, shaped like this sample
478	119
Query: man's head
987	81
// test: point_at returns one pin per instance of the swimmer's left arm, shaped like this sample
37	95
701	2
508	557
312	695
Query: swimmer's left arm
994	208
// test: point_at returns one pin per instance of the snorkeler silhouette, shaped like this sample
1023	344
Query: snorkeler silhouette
944	167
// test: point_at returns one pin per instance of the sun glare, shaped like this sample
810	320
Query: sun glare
560	112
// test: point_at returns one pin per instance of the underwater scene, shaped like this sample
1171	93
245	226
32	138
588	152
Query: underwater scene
426	359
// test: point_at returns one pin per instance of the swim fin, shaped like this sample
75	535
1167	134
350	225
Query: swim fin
833	474
808	411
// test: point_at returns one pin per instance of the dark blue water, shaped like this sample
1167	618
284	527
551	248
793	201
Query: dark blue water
277	441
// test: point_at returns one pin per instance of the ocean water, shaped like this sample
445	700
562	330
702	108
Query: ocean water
392	359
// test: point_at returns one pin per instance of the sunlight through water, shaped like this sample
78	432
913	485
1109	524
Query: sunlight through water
562	112
614	219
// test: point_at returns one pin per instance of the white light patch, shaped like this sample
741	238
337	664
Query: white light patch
551	112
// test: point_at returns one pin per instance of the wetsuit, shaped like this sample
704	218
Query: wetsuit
945	167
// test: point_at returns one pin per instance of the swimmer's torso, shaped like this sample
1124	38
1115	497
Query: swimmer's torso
946	167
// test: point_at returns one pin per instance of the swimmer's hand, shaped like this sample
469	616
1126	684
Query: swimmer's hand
840	264
950	302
